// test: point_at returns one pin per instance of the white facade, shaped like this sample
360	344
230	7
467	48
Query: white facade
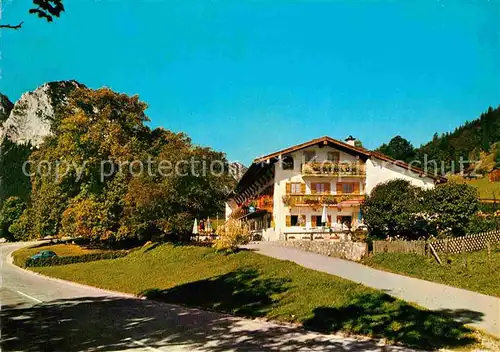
378	171
297	205
282	177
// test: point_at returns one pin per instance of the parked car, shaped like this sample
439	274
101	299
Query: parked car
43	254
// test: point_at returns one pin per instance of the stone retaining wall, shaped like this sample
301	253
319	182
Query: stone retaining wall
340	249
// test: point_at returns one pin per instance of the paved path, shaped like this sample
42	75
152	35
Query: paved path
426	294
43	314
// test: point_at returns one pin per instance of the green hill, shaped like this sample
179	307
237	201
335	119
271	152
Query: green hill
467	141
476	142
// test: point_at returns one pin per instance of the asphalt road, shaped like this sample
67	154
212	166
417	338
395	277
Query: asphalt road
43	314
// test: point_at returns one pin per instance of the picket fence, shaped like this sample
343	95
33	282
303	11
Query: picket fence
457	245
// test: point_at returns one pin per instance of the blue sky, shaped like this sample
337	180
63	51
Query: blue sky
249	78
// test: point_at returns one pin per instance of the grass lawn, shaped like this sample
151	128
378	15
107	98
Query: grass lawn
486	188
62	250
472	271
252	285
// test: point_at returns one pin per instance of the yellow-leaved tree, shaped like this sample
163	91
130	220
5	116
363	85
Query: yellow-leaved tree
231	235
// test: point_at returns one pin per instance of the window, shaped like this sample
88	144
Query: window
287	163
295	188
309	155
333	157
347	188
320	187
316	221
295	220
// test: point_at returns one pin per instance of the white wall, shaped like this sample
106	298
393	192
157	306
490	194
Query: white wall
308	212
378	171
282	177
229	211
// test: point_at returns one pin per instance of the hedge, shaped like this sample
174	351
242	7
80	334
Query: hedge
73	259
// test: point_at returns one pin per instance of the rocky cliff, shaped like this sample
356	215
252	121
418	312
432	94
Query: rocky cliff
30	118
5	108
237	170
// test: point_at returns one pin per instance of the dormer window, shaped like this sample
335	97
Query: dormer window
287	162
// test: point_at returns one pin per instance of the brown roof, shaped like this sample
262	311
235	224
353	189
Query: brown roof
407	166
325	140
362	152
261	164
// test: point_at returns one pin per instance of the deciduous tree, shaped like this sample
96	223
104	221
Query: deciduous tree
451	207
47	9
394	208
10	211
398	148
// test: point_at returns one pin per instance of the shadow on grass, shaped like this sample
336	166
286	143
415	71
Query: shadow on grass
241	292
110	323
380	315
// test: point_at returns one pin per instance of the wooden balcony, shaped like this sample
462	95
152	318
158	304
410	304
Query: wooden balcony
329	168
315	200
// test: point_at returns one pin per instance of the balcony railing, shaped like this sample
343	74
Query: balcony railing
329	168
311	200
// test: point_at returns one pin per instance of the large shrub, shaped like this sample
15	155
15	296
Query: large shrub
394	208
451	207
231	235
483	223
91	257
21	229
10	212
398	208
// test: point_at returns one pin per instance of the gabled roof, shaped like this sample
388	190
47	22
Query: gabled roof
417	170
262	164
362	152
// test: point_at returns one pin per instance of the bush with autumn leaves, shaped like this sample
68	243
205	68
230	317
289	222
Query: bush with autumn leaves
231	235
105	195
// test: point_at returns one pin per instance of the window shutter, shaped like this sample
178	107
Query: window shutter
339	187
313	220
356	188
288	220
327	187
313	187
303	188
329	220
288	188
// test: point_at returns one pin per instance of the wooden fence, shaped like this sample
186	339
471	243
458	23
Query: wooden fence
455	245
467	243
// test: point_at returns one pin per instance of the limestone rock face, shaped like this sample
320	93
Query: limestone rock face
5	108
31	117
237	170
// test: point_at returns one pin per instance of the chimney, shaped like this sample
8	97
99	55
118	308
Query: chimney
350	140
